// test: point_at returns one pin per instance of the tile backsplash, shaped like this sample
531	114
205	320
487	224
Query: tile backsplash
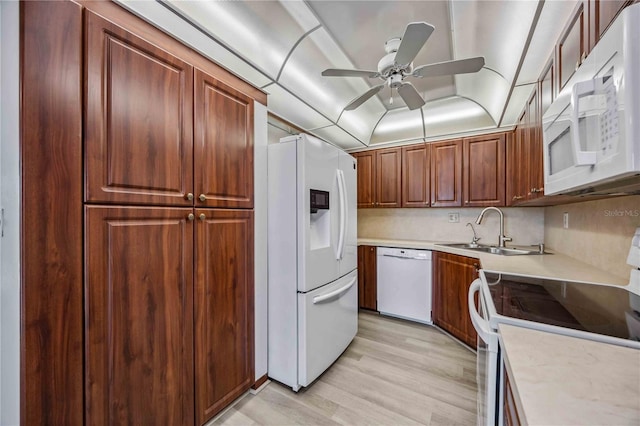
524	225
599	232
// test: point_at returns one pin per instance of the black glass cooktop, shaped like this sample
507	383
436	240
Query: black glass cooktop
607	310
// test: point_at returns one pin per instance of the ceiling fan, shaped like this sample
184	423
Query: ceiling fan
397	65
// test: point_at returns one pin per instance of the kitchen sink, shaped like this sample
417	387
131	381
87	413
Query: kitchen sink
503	251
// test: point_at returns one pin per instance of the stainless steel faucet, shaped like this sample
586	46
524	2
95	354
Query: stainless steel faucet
501	238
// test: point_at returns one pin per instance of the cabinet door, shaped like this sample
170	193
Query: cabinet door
451	280
366	178
484	170
535	181
223	144
138	130
572	48
388	177
223	308
547	94
138	316
512	177
607	11
446	173
367	277
510	409
415	176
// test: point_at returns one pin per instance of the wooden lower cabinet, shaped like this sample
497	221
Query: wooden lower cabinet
452	276
154	332
367	277
223	309
510	410
139	316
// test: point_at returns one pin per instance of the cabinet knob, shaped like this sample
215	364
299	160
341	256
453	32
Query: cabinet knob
189	196
202	198
191	216
203	216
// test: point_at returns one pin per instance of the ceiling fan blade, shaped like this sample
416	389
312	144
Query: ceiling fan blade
461	66
415	36
335	72
364	97
410	96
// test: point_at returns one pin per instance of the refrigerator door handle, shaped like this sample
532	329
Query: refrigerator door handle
319	299
343	214
480	324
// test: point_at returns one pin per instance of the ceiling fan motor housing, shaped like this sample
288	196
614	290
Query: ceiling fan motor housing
395	80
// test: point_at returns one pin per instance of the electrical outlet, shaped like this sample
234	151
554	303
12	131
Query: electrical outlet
565	220
454	217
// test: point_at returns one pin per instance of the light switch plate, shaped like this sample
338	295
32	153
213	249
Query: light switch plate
565	220
454	217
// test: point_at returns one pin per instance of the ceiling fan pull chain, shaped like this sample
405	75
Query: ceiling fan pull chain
391	95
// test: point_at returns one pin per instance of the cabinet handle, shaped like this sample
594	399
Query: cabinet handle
202	198
191	216
203	216
189	196
517	197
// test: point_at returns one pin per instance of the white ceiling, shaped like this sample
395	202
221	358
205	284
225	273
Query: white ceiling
283	46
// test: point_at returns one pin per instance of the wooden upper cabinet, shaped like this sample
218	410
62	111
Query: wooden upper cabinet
223	144
388	177
446	173
484	170
138	316
547	94
535	181
605	13
572	49
223	309
416	191
139	119
367	277
517	169
366	178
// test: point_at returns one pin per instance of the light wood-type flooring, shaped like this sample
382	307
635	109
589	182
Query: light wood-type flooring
393	373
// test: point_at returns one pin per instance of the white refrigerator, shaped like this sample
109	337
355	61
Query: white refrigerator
313	256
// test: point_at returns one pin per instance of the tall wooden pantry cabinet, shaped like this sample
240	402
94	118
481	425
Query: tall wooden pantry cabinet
152	149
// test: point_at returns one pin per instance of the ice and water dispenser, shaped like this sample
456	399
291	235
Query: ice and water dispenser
320	220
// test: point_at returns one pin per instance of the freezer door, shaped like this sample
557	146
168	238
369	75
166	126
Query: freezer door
318	263
349	247
327	323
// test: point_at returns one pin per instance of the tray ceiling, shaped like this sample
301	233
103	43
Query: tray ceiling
283	46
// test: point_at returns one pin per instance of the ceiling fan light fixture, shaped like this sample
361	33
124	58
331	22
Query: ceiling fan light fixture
397	64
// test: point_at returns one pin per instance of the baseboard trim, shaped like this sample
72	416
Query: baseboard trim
260	383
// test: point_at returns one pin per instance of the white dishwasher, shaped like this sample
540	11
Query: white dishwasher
404	283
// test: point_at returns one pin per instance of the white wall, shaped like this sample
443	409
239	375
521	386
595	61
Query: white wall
260	235
10	202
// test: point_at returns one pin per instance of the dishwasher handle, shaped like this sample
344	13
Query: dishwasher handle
405	257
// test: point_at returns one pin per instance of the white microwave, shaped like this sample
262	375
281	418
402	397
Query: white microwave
591	132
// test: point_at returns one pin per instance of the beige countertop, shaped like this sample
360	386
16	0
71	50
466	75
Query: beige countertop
561	380
556	265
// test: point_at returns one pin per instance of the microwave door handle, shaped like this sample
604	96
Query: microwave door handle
480	324
580	89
